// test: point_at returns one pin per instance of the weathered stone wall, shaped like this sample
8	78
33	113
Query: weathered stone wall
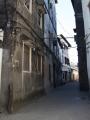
20	27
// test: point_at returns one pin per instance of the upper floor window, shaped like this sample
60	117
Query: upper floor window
28	4
48	4
40	19
67	61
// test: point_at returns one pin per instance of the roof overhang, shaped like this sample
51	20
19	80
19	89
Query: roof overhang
69	45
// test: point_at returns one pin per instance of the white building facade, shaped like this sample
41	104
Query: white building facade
66	70
65	62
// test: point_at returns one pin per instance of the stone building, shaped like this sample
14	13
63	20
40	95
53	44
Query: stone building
86	17
22	61
30	61
52	61
81	45
65	62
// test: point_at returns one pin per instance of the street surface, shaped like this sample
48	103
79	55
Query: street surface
63	103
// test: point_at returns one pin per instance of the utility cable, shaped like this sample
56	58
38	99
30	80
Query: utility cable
63	27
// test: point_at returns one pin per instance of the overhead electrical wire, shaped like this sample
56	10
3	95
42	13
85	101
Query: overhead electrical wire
63	27
50	19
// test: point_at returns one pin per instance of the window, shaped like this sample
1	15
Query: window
36	61
48	4
67	61
49	39
32	60
50	74
39	63
40	19
28	4
26	58
51	45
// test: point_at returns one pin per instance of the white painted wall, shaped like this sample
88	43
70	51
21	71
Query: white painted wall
86	16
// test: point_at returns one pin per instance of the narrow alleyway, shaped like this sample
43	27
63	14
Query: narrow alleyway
64	103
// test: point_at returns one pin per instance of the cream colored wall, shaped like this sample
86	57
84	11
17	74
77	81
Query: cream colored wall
75	75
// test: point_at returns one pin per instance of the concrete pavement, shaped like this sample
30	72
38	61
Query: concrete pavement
64	103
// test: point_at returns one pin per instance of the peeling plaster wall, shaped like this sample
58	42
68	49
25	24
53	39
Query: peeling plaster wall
21	27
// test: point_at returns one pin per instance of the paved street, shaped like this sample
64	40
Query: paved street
64	103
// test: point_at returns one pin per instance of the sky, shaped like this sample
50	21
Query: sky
65	25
